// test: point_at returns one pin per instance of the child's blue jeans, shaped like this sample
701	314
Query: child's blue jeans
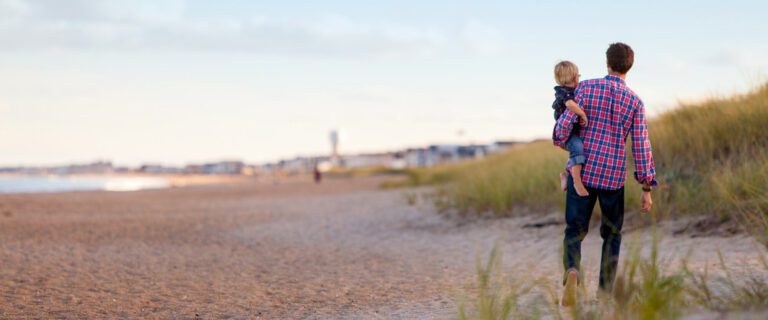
576	148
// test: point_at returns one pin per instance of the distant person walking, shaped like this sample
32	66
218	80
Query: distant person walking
318	175
614	112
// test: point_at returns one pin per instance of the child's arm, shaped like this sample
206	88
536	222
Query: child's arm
575	108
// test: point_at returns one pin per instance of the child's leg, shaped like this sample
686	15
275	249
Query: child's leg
577	183
576	148
563	174
564	180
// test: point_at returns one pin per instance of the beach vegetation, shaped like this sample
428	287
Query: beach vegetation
711	159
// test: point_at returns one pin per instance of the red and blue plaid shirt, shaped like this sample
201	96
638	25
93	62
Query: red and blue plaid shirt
614	111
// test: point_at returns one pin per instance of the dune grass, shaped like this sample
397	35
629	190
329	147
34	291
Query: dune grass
646	287
711	158
340	172
494	298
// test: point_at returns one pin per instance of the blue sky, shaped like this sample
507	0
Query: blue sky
177	81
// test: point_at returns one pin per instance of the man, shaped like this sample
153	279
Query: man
614	112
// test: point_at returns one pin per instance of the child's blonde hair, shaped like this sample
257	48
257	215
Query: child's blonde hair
566	72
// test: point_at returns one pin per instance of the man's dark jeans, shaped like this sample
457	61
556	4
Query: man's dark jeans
578	211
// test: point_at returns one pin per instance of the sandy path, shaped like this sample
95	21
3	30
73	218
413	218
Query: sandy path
342	249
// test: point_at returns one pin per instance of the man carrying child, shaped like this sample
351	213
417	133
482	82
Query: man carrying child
614	112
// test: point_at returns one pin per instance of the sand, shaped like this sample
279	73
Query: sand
294	250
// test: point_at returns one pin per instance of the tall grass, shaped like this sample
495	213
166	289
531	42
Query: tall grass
494	298
503	182
710	152
711	158
643	290
646	287
746	188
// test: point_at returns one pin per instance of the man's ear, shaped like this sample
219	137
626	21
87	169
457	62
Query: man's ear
609	68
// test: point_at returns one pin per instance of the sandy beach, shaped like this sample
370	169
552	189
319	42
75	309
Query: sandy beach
343	249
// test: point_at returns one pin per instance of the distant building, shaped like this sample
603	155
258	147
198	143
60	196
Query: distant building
297	165
472	151
415	157
123	170
431	155
370	160
223	167
100	167
438	154
501	146
159	169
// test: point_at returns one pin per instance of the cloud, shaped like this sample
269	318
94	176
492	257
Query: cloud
738	58
90	11
125	25
12	8
483	39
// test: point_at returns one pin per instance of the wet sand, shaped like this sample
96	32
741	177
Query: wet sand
340	250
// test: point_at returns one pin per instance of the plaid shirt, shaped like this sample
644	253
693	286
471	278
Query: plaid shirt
613	111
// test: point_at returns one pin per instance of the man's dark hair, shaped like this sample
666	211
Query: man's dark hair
620	57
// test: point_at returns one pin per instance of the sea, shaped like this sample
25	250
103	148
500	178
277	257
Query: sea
63	183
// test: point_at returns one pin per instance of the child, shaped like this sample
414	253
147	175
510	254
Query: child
567	78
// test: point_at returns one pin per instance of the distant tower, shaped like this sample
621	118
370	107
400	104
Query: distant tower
334	136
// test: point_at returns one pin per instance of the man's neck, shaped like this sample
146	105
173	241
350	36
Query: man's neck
620	75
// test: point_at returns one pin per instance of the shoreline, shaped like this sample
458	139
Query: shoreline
150	181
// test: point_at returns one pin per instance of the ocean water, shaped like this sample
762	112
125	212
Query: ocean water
38	184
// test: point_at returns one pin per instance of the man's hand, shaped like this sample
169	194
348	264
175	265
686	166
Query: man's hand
645	202
583	120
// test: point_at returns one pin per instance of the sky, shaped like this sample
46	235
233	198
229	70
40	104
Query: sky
177	82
